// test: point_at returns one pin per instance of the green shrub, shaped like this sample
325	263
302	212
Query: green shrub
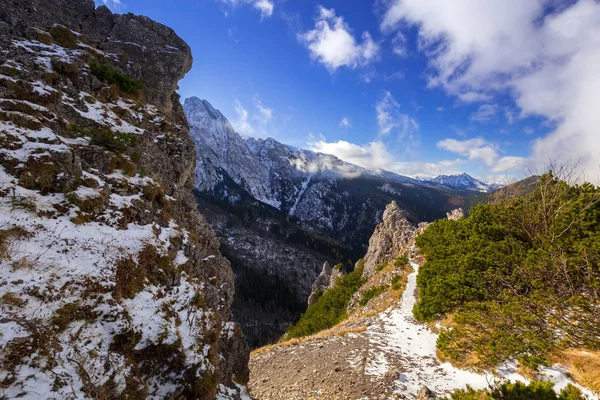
114	141
330	309
370	293
519	391
108	74
397	282
518	275
381	266
401	261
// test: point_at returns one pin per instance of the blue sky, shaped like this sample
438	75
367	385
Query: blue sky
419	87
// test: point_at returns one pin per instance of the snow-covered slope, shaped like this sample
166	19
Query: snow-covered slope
111	283
219	150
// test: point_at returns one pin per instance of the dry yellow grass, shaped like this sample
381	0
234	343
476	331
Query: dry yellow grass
584	367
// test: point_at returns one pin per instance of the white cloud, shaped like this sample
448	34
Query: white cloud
510	163
440	109
395	76
252	124
265	7
528	130
390	118
242	124
484	113
399	44
113	4
480	150
332	43
547	62
345	123
375	155
264	114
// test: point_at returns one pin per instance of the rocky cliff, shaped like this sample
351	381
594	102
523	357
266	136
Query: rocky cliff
389	240
111	283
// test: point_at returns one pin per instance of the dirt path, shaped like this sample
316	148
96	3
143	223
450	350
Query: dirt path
392	359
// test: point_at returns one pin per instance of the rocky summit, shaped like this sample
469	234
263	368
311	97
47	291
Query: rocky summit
112	283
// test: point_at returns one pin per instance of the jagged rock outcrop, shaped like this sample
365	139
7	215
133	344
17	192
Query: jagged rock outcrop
421	228
324	281
390	238
455	214
96	178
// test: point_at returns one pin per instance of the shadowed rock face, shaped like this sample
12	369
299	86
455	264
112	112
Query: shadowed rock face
151	52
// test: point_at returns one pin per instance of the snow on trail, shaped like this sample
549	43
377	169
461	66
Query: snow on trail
400	343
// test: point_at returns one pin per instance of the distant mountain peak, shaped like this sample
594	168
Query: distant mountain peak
460	180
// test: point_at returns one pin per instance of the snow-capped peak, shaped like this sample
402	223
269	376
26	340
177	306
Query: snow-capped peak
460	181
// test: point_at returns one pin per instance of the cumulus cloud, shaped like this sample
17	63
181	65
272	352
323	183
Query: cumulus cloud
345	123
242	123
254	124
480	150
375	155
333	44
265	7
389	117
542	53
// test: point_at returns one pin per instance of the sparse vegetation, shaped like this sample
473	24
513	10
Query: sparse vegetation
70	70
7	237
64	36
72	312
108	74
398	282
331	306
119	162
371	293
43	38
101	136
131	276
21	120
401	261
381	266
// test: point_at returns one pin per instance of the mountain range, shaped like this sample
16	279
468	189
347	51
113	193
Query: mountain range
281	211
460	181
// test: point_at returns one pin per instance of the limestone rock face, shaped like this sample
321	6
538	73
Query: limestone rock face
455	214
324	281
390	237
96	199
148	51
